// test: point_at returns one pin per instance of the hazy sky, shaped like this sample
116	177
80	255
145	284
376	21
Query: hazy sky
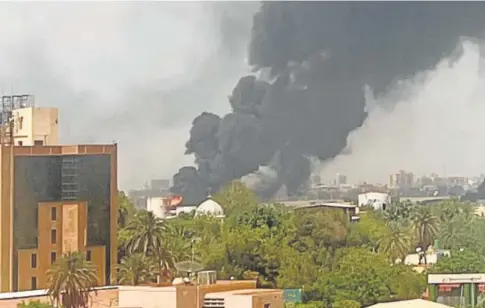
139	73
437	125
133	72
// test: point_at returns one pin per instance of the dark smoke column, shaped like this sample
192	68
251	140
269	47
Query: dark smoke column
318	57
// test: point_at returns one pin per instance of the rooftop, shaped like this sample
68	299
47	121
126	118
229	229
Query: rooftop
415	303
243	292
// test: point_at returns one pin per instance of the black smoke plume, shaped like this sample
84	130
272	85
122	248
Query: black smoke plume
317	58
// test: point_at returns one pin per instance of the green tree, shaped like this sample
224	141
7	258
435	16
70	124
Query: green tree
368	231
126	209
358	275
405	283
425	226
346	304
396	243
235	196
465	261
136	269
71	279
146	233
34	304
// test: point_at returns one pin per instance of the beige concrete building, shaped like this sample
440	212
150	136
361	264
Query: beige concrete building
35	126
225	294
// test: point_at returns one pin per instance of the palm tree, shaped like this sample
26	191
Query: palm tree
397	243
425	226
136	269
126	209
147	233
73	277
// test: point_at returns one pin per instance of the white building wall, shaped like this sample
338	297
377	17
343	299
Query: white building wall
376	199
147	297
155	205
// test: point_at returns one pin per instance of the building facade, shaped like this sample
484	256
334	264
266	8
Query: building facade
55	199
35	126
402	179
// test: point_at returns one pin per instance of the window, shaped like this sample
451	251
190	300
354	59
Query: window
33	283
21	143
53	236
53	257
38	142
267	306
88	255
33	260
53	213
21	122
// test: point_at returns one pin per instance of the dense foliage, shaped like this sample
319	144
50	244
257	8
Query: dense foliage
335	262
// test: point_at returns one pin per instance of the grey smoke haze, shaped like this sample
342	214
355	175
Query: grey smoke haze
435	125
321	56
135	72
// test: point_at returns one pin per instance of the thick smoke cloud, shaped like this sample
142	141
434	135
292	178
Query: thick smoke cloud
319	57
434	125
135	72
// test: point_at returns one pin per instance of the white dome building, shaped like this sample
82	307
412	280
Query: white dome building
209	207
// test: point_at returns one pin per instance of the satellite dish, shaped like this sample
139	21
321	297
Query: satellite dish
188	267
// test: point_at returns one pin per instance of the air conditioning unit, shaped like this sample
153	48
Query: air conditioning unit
206	277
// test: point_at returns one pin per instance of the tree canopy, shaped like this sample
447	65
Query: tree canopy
337	263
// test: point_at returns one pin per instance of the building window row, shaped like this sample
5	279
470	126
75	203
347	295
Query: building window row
33	259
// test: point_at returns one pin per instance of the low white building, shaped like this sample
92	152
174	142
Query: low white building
155	205
377	200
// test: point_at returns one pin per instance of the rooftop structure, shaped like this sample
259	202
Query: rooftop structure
209	207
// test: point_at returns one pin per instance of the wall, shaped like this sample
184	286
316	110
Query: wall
5	220
23	126
377	200
155	205
186	295
148	297
46	125
101	299
98	257
36	124
275	299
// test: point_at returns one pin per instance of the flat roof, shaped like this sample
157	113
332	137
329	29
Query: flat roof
242	292
415	303
38	293
80	149
301	204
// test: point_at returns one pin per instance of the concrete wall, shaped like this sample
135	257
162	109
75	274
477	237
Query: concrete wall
36	124
155	205
147	297
101	299
274	299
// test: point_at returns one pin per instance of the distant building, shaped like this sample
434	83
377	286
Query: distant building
377	200
147	198
340	179
402	179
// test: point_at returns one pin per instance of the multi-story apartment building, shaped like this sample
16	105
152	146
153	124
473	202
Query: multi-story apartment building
54	199
402	179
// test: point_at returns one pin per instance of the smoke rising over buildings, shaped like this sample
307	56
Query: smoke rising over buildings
135	72
318	57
